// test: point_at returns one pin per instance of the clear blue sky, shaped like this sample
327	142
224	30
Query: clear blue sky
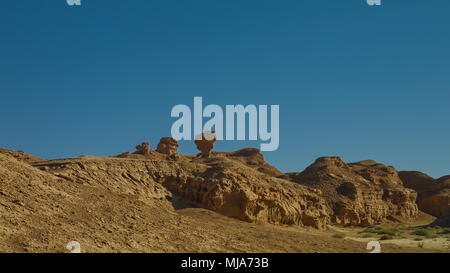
351	80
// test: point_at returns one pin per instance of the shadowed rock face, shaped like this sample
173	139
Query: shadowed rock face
361	193
434	194
443	220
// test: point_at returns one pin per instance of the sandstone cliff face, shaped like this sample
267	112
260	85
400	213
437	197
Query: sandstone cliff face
361	193
243	193
242	185
434	194
219	184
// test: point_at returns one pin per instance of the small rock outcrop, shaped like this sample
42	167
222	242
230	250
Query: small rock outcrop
205	142
21	156
143	149
168	146
361	193
433	194
253	158
124	155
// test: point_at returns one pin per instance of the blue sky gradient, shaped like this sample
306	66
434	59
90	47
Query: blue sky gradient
351	80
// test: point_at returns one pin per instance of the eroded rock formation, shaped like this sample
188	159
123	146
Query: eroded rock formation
237	191
143	149
168	146
205	142
242	185
123	205
220	184
434	194
361	193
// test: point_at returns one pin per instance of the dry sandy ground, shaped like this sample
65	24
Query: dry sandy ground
407	238
271	238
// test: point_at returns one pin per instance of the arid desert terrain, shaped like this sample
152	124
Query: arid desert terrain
162	201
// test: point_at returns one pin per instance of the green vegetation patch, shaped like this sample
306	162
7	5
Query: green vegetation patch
339	235
381	230
428	233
